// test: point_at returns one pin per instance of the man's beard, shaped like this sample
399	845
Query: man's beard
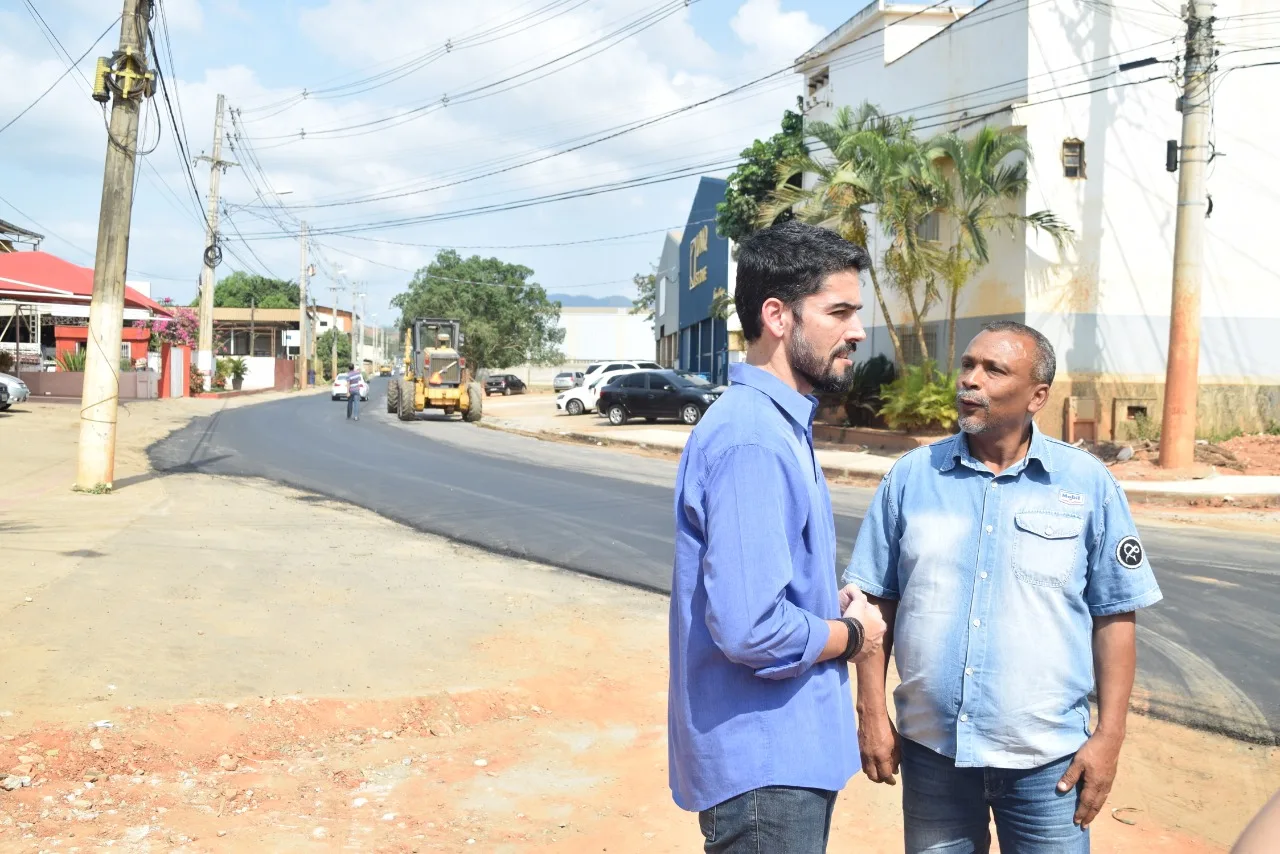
822	375
972	424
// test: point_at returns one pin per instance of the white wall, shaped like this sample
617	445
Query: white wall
261	373
592	334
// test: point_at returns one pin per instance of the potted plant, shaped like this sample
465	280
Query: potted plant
237	367
220	371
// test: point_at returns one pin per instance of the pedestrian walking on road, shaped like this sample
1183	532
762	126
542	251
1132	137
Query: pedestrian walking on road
760	715
354	380
1008	569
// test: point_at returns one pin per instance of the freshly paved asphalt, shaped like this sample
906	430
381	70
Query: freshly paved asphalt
1209	654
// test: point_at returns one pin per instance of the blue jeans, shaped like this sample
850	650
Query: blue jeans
946	810
775	819
353	404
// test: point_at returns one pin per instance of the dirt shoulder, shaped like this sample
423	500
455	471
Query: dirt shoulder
271	686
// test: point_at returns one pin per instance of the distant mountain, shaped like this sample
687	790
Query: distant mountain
581	301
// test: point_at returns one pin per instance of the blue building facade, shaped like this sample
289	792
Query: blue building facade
704	269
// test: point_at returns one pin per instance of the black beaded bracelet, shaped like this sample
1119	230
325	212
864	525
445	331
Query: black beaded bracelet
856	637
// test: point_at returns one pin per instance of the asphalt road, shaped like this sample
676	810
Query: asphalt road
1209	655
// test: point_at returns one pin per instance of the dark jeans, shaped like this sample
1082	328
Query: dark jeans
946	810
353	404
775	819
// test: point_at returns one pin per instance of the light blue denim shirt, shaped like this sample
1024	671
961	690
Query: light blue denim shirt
753	585
998	578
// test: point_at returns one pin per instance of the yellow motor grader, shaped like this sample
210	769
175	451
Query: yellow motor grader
435	373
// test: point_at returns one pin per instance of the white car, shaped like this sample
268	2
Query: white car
580	400
339	390
18	391
605	367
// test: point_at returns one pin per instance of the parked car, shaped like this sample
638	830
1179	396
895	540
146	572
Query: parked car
4	397
339	390
626	364
16	391
504	384
580	400
657	394
567	380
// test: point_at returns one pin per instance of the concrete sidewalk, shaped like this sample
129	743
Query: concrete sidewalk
536	416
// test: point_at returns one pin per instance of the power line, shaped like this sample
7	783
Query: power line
70	68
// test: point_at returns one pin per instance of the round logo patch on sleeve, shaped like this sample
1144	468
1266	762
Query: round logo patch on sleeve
1129	553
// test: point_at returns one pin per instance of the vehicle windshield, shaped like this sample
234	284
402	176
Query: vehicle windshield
687	380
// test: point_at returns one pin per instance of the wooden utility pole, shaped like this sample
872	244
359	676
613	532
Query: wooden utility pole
212	251
125	80
1178	423
302	308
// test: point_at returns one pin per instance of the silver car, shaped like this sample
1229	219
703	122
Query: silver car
18	391
567	380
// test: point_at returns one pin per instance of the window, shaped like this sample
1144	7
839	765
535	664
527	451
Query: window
1073	158
617	366
930	228
688	380
124	350
633	381
661	383
911	354
649	366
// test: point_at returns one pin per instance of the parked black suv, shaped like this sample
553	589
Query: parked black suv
657	394
504	384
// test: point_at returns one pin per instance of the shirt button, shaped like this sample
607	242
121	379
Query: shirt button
993	484
982	575
968	671
990	529
964	718
977	623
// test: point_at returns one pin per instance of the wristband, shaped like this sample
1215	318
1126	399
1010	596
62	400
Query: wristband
856	636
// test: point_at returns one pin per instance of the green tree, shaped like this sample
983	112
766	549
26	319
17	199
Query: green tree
752	182
324	351
241	290
981	185
646	294
506	318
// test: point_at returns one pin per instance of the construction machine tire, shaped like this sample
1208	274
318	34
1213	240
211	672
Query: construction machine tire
476	407
405	403
393	397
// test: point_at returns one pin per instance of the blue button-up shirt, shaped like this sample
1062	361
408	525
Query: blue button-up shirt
753	586
997	579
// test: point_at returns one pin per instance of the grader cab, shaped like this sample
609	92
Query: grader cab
435	373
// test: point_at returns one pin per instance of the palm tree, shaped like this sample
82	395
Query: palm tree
914	191
977	196
861	144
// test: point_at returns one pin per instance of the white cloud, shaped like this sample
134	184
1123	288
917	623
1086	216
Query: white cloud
775	35
184	15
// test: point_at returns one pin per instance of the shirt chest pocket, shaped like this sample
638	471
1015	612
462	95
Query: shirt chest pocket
1045	546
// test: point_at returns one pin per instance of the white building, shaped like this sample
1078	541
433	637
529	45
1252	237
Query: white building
1052	68
593	334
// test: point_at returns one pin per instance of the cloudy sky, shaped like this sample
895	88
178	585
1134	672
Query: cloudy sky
428	111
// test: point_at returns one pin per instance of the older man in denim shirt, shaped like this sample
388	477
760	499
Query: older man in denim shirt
1009	571
761	729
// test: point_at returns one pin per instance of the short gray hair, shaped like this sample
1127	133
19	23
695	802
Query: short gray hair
1045	365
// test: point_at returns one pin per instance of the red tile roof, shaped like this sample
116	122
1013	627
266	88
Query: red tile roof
48	278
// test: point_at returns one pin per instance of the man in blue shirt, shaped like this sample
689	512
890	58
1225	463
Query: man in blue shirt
1008	569
760	715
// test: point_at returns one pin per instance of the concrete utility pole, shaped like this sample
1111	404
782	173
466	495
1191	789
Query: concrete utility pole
126	81
212	252
1178	423
333	328
302	309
